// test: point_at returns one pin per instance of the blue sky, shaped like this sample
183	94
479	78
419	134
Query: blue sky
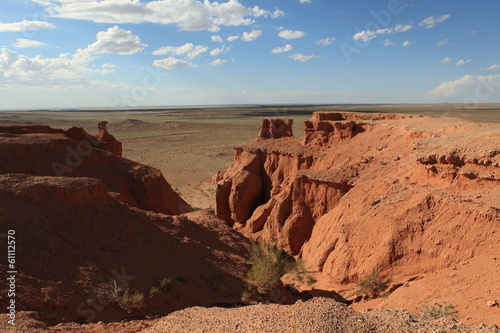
132	53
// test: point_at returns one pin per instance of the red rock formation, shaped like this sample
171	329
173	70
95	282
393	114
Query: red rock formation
107	141
77	245
275	129
406	195
41	150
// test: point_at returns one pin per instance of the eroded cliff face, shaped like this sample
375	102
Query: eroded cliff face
403	194
44	151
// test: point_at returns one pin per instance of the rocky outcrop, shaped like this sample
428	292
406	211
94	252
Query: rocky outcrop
77	247
106	141
43	151
406	195
275	129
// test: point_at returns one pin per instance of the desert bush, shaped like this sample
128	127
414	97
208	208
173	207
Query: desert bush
269	264
129	300
301	273
372	284
162	285
439	311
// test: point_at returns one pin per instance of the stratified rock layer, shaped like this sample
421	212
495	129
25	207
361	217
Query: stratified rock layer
407	195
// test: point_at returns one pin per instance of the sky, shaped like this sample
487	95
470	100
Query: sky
135	53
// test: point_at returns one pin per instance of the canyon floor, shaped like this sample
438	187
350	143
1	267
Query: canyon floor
191	145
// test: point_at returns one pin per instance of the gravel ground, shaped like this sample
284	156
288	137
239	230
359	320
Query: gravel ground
317	315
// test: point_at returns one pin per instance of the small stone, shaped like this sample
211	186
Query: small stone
493	303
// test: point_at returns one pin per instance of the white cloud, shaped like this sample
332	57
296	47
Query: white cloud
290	34
217	51
116	41
232	38
286	48
325	41
442	43
407	43
301	57
25	26
190	15
387	42
462	62
189	49
480	87
493	68
252	35
367	35
278	13
173	63
25	43
432	21
216	39
108	65
305	1
446	60
218	62
64	69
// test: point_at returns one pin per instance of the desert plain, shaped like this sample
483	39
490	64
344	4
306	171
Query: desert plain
194	148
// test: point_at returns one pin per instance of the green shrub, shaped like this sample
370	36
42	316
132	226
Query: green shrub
269	264
129	300
372	284
439	311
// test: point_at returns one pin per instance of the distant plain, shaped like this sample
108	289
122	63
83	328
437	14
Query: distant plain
190	144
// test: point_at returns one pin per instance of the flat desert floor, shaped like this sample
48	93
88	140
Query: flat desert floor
190	144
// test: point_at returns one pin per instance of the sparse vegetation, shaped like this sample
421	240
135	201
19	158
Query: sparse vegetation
130	300
439	311
161	286
269	264
372	284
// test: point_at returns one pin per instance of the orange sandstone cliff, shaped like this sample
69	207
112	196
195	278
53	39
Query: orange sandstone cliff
410	196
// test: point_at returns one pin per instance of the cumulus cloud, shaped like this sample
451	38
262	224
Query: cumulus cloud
218	62
116	41
217	51
387	42
216	39
478	86
432	21
305	1
446	60
190	15
189	50
442	43
301	57
462	62
407	43
173	63
278	13
291	34
367	35
18	68
325	41
26	43
232	38
252	35
493	68
286	48
25	26
66	69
